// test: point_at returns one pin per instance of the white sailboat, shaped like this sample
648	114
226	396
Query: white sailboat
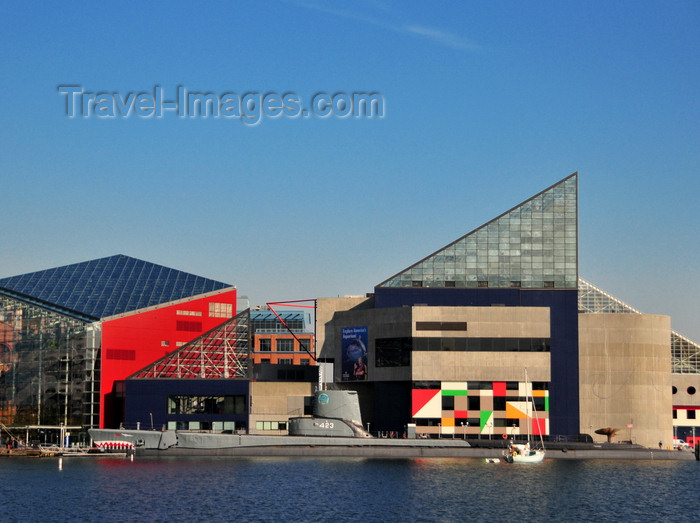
528	452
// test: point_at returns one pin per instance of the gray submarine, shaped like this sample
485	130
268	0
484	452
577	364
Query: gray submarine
334	429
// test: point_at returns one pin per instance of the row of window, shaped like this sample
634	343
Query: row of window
690	390
481	385
216	426
689	414
276	325
216	310
271	425
185	404
507	423
396	352
499	402
283	345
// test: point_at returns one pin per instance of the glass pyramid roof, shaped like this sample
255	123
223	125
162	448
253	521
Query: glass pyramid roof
533	245
221	353
108	286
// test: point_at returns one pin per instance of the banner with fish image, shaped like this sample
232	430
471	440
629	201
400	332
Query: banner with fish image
354	346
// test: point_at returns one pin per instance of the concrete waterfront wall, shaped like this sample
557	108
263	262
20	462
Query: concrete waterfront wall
276	401
625	377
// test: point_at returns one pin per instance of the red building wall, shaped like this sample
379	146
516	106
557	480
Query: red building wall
133	341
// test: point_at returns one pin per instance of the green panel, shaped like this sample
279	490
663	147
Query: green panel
546	403
484	417
454	392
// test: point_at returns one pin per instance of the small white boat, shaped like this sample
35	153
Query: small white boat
492	460
518	453
525	453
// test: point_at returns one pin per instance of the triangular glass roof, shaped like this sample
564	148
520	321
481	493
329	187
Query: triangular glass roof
685	354
108	286
533	245
221	353
593	300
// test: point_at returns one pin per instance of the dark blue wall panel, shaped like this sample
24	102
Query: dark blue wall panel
143	397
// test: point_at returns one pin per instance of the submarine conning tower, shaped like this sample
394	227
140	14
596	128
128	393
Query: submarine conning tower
339	404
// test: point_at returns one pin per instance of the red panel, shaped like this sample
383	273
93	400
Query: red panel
499	388
461	414
149	335
420	397
539	426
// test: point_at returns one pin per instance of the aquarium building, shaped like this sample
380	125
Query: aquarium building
70	335
495	335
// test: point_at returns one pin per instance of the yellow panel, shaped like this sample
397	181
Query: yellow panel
513	412
448	422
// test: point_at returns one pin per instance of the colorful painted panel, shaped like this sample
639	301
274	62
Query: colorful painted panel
481	408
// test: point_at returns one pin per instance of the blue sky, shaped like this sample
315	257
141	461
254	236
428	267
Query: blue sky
486	104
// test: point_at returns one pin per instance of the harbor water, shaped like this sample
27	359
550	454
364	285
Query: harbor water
348	489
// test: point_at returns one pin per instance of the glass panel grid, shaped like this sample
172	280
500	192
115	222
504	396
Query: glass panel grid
499	251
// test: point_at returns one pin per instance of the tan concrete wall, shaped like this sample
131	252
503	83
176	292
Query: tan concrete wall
480	366
625	376
487	322
276	401
503	322
326	308
380	323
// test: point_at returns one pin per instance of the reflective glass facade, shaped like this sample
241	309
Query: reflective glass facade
49	366
108	286
532	246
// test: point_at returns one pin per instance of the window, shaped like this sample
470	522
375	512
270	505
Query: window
691	390
305	345
674	389
220	310
448	403
441	325
265	344
121	354
188	313
691	414
165	344
271	425
285	345
189	326
181	404
392	352
284	361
